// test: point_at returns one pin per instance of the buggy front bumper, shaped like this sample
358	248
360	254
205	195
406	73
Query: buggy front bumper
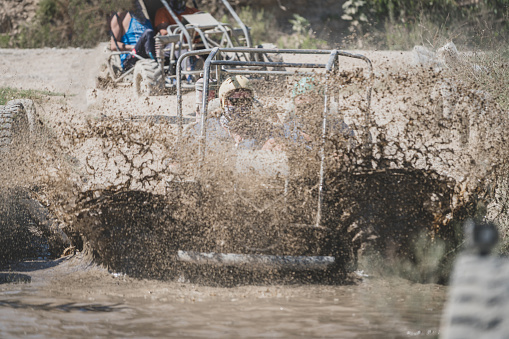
257	261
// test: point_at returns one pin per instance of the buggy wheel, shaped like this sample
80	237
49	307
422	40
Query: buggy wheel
17	121
148	79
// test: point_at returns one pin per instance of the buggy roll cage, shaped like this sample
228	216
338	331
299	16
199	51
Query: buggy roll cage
181	34
181	26
242	67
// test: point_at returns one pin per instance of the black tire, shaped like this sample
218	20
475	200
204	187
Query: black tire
27	228
148	79
18	119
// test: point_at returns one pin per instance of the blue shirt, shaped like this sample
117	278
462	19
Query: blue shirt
133	34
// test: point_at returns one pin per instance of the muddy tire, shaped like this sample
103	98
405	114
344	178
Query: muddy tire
148	79
18	119
27	228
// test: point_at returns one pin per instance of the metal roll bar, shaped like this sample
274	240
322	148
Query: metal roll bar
239	21
177	21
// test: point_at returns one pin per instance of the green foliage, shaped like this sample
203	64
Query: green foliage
354	12
302	37
63	23
4	40
8	93
261	23
490	73
402	24
406	36
300	25
386	24
47	10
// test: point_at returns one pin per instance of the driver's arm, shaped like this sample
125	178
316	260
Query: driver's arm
162	28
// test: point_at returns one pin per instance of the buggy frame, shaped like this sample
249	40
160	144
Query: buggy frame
218	67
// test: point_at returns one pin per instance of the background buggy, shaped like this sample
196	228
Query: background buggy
194	32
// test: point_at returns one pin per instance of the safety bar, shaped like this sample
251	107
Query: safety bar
179	84
262	63
177	21
241	71
239	22
260	261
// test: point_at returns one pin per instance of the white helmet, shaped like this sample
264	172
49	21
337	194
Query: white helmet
231	84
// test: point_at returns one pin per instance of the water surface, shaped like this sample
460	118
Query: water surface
73	298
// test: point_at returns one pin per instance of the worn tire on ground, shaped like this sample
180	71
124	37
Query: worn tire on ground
148	79
18	119
27	228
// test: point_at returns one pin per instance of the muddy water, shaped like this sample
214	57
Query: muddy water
72	298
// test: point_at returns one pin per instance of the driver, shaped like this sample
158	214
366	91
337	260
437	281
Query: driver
235	122
163	19
132	31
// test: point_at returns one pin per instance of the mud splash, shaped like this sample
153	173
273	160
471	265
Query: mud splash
425	153
435	147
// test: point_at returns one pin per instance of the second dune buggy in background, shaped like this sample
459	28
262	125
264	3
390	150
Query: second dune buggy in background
194	32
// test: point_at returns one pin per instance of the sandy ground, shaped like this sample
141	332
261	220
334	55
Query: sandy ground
72	73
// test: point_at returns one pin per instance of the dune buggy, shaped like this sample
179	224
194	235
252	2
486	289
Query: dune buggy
275	217
194	32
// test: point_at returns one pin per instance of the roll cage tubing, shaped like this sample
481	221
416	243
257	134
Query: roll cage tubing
177	21
331	64
230	9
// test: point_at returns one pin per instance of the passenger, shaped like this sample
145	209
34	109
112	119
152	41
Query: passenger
163	18
304	119
307	100
235	122
132	31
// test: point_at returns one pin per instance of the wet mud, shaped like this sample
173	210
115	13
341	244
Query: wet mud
425	154
71	296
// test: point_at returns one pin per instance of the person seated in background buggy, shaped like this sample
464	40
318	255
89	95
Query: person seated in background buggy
132	31
163	19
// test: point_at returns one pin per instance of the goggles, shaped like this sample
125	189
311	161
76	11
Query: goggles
239	101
